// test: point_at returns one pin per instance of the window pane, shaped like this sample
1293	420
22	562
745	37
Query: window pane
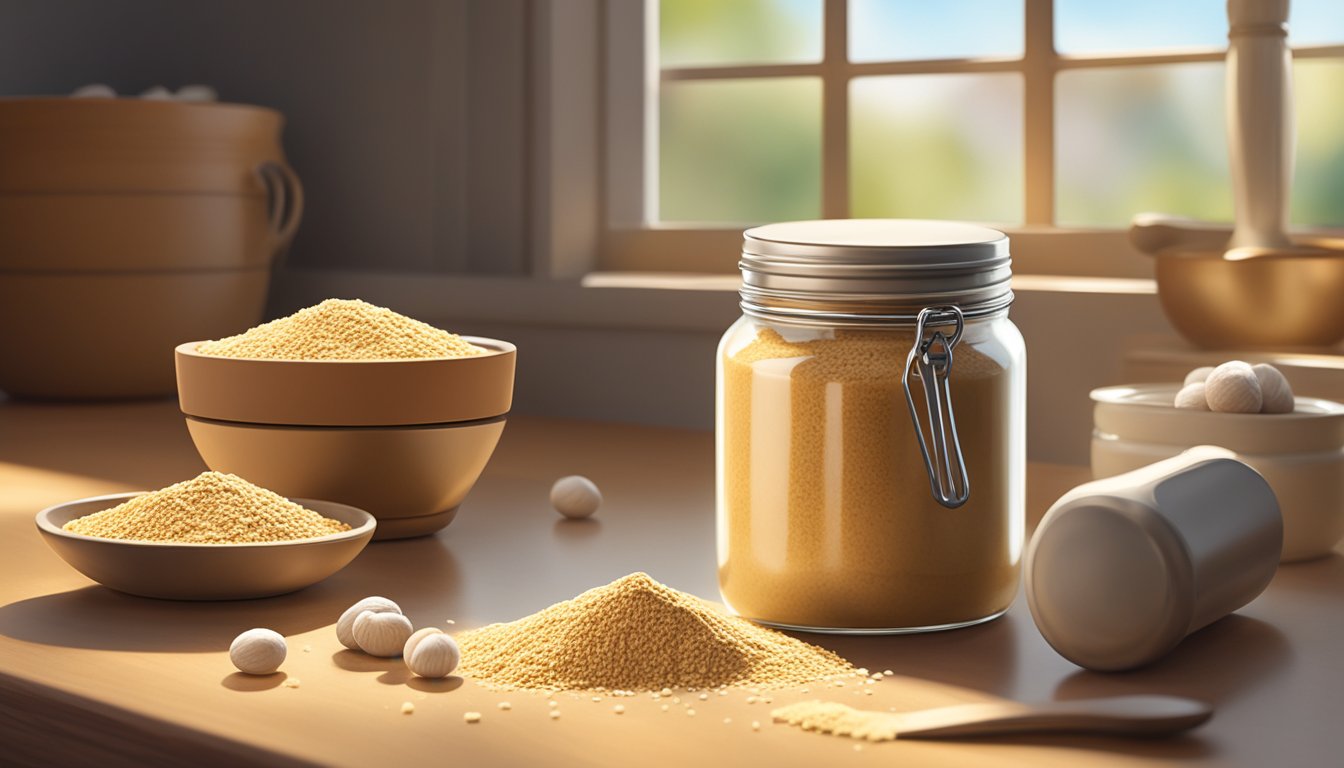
1154	139
1088	26
1318	184
937	146
740	150
891	30
1140	139
1316	22
714	32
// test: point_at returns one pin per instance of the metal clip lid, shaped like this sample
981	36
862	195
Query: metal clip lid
872	272
933	356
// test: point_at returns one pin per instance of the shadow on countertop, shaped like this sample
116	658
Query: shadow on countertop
1226	660
99	618
75	438
1216	664
1320	577
244	683
982	657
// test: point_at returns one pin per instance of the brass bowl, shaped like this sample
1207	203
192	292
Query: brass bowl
1274	301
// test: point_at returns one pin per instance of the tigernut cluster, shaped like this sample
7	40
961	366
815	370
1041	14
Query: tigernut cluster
342	329
636	634
211	508
1237	387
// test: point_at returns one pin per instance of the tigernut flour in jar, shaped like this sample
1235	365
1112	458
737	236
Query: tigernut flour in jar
847	500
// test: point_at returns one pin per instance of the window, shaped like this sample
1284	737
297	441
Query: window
1061	117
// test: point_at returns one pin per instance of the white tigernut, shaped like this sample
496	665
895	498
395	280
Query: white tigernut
381	634
258	651
431	653
1192	396
345	626
575	496
1233	388
1200	375
1276	393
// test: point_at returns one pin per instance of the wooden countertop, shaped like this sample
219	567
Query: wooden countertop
89	674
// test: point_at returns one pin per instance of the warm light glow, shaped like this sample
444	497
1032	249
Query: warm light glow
663	280
35	488
1309	361
1059	284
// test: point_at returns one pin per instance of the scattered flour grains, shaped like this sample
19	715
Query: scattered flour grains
341	329
840	720
636	634
212	508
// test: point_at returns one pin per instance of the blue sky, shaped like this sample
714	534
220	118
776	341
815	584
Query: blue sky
914	29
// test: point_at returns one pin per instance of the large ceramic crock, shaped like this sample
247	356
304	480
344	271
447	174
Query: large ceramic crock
127	227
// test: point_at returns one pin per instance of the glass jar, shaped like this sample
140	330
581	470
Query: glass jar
871	428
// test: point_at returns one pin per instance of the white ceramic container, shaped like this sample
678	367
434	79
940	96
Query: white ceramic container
1121	570
1300	454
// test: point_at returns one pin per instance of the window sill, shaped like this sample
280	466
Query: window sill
1049	251
620	300
673	281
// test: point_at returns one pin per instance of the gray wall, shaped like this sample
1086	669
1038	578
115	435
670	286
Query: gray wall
407	119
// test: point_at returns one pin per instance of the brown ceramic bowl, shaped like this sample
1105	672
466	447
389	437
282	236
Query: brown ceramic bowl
1274	302
404	439
204	571
90	335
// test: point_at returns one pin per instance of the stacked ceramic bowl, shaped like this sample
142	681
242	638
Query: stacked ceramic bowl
127	227
404	439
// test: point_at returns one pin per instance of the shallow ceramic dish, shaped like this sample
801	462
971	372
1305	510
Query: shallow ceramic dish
1300	454
404	439
204	571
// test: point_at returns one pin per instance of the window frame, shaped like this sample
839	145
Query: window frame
632	240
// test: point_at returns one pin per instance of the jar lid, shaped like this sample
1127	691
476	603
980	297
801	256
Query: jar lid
873	270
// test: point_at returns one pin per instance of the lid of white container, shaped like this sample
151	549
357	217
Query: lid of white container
873	270
1108	583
